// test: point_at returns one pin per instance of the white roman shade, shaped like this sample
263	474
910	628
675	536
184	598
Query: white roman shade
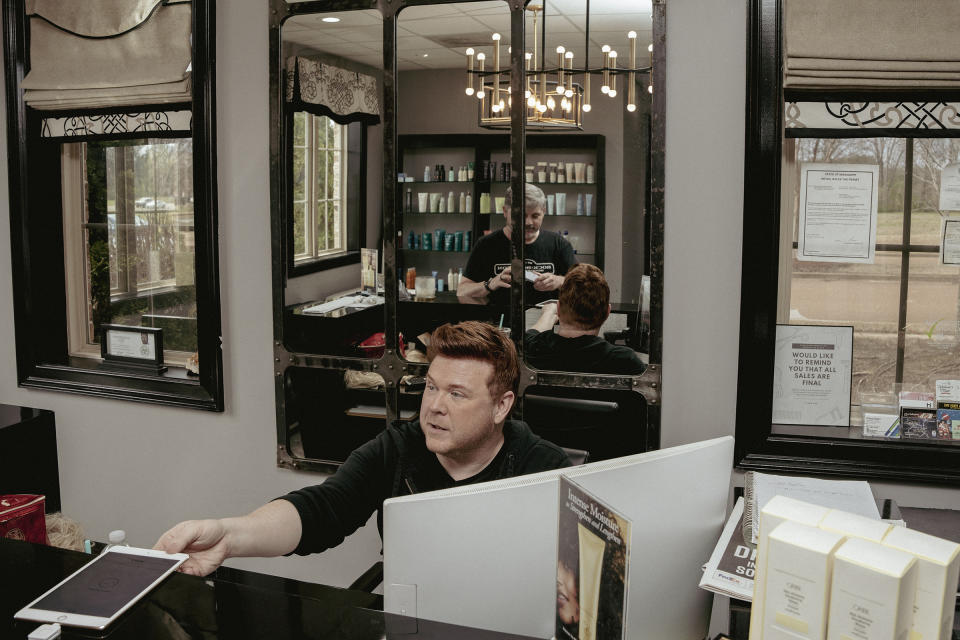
867	44
324	89
91	54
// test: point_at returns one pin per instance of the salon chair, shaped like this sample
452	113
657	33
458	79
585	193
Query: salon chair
607	423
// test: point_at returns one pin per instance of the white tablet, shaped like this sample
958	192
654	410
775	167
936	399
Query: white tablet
95	595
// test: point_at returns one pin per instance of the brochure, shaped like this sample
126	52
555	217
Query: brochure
731	567
593	553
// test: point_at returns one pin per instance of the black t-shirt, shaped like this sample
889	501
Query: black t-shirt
586	354
549	253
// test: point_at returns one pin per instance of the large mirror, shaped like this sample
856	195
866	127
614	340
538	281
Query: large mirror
363	256
454	156
333	159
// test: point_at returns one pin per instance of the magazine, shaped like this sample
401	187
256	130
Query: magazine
593	554
731	566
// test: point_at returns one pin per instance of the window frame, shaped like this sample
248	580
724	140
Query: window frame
37	240
354	201
757	446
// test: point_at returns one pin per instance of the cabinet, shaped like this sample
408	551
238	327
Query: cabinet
430	240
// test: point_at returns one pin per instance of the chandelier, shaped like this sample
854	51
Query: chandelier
556	98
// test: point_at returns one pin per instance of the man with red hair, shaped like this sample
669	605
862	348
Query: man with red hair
463	436
581	310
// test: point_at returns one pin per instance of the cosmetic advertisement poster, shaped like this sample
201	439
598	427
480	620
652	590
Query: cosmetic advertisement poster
593	555
368	271
811	376
838	212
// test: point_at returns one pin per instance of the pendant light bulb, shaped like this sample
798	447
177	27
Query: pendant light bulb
631	108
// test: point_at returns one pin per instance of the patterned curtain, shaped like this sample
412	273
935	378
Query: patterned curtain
327	90
117	125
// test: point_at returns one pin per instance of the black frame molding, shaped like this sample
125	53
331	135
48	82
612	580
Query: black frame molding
40	309
758	445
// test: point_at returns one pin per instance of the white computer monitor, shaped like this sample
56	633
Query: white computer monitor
485	555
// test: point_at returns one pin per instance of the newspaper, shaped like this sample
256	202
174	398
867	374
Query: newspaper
731	567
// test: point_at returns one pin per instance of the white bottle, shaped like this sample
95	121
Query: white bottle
451	283
463	202
450	202
116	538
469	208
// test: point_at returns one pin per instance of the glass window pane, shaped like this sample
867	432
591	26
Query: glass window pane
930	157
149	240
931	349
299	228
299	129
299	175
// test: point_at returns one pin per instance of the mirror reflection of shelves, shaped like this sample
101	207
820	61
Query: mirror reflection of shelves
467	188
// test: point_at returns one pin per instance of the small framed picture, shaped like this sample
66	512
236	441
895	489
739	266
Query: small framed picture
132	347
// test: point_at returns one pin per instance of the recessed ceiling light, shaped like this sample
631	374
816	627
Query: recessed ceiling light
331	19
426	55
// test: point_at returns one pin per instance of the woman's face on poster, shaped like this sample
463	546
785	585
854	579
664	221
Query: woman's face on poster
568	604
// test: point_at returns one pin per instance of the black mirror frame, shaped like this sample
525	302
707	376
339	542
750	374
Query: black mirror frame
31	322
757	446
391	366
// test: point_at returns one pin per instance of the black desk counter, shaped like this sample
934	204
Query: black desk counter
336	332
227	604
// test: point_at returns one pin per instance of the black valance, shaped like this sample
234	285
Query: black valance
327	90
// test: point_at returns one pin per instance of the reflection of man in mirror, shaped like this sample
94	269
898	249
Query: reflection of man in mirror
547	257
583	307
463	436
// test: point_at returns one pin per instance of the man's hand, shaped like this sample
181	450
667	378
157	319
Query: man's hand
548	317
548	282
203	540
503	280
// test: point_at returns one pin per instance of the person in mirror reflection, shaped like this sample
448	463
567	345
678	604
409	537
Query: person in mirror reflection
547	256
463	436
580	311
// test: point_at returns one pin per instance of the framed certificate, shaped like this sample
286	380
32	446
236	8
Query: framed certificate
132	347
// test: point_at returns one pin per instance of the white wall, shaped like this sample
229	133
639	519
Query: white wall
143	468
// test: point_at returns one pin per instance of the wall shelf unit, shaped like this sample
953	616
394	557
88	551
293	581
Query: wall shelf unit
490	155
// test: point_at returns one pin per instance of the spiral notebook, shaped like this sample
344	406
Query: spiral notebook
854	496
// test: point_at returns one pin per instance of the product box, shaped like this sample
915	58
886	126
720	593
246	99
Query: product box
778	510
872	592
855	526
938	567
799	569
22	517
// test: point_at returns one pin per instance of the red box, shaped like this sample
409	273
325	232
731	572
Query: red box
22	517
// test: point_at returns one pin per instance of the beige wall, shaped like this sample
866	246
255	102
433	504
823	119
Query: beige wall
142	467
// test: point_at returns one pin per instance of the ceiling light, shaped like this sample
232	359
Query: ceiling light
572	98
330	19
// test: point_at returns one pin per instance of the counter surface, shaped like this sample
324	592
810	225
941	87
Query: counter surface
227	604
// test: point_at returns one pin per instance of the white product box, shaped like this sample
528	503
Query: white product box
799	568
855	526
778	510
871	596
938	566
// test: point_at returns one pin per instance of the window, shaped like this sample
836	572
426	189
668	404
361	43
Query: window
319	183
903	306
113	203
129	241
